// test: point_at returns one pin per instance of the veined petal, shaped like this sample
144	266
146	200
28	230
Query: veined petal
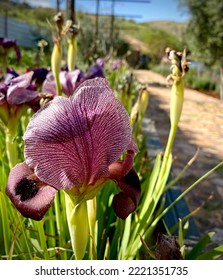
72	141
31	197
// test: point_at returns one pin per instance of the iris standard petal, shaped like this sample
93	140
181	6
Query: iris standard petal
31	197
72	141
65	81
49	85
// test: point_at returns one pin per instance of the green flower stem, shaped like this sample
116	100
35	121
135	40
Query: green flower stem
77	219
11	147
91	207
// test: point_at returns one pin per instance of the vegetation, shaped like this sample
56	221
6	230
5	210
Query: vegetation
204	33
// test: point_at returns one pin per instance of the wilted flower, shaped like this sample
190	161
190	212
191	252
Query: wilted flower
80	140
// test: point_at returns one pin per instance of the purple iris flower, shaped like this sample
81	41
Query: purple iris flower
116	64
39	75
10	70
80	140
6	44
69	80
96	70
18	90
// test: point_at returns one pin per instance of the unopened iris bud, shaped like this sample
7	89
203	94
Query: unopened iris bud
77	219
56	64
56	56
179	68
59	22
72	48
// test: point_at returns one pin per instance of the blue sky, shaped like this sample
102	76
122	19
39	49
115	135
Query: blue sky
155	10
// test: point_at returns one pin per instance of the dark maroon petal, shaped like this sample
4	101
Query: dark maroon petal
78	137
126	201
7	43
31	197
18	53
39	75
95	71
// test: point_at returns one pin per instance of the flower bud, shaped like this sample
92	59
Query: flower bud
77	219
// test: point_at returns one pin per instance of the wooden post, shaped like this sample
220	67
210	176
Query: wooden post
70	10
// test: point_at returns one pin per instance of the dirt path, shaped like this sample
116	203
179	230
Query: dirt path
201	126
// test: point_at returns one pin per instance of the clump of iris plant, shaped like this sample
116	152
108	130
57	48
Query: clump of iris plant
16	95
80	142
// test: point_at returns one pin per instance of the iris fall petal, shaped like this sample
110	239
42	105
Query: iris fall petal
126	201
30	196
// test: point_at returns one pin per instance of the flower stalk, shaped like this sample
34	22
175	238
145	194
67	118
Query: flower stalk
179	67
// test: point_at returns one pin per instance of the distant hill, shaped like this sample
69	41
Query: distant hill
173	27
149	37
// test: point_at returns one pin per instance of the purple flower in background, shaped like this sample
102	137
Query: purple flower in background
96	70
18	90
69	80
39	75
7	44
116	64
80	140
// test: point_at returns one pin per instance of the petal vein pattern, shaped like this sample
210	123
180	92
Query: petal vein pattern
72	141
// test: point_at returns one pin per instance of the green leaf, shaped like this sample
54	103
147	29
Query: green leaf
199	247
212	254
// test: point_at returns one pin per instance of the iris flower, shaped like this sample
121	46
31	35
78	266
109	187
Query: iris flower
69	81
7	44
96	70
14	92
75	144
19	89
